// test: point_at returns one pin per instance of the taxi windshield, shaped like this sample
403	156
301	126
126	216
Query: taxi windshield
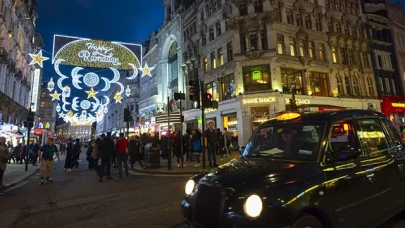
293	141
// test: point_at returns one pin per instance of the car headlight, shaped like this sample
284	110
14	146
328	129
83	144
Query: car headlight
253	206
189	187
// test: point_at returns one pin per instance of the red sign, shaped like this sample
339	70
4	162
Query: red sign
331	108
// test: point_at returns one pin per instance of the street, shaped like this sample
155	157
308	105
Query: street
77	199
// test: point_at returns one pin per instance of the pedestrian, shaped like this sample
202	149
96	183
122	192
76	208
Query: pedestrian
46	156
11	152
68	160
133	149
196	146
121	146
4	155
35	154
89	158
164	144
212	144
187	145
95	155
77	149
114	157
106	150
178	149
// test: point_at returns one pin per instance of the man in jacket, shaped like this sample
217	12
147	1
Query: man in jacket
106	150
4	155
121	146
212	141
77	149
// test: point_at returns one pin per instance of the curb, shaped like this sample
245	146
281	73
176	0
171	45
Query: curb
18	180
151	171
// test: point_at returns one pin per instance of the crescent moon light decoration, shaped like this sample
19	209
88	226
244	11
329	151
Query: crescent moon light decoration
95	104
107	84
62	77
107	101
117	75
64	108
74	104
135	74
76	77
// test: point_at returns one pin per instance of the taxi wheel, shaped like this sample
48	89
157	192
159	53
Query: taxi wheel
307	221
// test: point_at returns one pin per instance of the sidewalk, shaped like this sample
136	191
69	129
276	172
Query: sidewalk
15	173
189	168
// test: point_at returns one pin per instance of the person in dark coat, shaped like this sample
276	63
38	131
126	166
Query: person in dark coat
35	154
177	149
77	149
187	145
89	158
164	143
196	146
133	149
68	161
106	150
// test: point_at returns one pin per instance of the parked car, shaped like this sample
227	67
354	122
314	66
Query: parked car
331	169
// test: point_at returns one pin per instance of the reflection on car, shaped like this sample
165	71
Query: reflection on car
329	169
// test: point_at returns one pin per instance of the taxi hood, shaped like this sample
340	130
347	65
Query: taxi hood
261	172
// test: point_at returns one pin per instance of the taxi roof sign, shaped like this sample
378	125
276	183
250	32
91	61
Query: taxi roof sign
288	116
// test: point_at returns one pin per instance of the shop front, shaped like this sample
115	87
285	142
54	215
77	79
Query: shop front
394	108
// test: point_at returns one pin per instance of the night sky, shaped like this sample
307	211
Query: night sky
129	21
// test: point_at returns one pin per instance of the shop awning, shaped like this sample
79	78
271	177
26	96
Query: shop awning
12	135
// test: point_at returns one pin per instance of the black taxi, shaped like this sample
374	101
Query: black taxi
331	169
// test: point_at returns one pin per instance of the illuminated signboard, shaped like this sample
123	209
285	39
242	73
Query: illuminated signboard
35	90
298	101
256	75
259	100
85	52
398	105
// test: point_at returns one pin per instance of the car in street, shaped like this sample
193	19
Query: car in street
326	169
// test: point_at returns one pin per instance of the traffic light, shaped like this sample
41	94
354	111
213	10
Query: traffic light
127	115
207	100
30	120
194	92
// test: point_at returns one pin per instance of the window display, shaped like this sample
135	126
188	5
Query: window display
259	115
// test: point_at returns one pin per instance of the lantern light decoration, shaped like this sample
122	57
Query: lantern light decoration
51	85
58	108
128	91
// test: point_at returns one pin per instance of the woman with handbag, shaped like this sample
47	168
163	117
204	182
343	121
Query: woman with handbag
196	146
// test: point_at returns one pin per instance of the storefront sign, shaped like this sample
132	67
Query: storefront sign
35	90
209	110
259	100
398	105
256	75
299	101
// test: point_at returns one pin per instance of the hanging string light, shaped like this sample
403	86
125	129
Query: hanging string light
128	91
51	85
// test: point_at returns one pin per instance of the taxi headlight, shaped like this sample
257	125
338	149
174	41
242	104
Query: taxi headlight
189	187
253	206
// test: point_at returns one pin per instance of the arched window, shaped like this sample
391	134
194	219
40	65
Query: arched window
348	85
370	86
173	68
339	84
356	87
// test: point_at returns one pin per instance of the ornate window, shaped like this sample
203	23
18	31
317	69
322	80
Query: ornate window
370	86
356	86
348	85
339	84
289	77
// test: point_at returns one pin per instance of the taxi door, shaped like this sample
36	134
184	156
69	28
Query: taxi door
394	177
350	182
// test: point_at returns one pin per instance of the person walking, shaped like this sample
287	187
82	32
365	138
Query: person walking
89	158
212	141
122	157
133	149
196	146
177	149
68	159
4	155
35	154
106	150
46	156
77	149
95	155
187	145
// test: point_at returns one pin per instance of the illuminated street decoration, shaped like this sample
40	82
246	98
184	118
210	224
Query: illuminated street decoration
51	85
55	96
80	52
146	70
35	90
85	52
118	97
38	59
128	91
58	108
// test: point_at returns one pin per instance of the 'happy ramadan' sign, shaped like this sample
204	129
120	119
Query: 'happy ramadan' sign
84	52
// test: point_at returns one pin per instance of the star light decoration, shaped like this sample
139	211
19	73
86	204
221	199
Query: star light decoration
61	115
146	70
118	97
91	93
38	59
55	96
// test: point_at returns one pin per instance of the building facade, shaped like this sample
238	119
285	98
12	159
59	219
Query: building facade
254	54
18	38
46	114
